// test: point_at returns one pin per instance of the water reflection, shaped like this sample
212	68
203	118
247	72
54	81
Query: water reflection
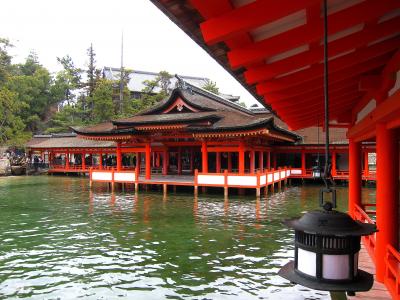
66	241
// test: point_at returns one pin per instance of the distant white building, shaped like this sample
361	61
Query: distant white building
136	79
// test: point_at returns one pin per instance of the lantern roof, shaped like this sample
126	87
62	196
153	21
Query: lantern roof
330	223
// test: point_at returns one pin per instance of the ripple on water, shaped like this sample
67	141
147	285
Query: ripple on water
65	241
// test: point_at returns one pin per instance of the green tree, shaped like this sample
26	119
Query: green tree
91	71
62	121
104	108
5	59
11	125
69	80
211	86
32	84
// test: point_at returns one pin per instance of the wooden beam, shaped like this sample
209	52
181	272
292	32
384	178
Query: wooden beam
387	81
302	35
370	82
353	41
355	58
311	99
298	79
306	88
388	111
318	107
248	17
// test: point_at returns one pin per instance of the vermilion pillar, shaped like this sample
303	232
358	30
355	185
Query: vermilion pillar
218	162
241	157
334	173
229	162
252	161
387	195
354	175
204	157
303	162
83	160
148	161
119	157
165	162
261	161
269	160
67	160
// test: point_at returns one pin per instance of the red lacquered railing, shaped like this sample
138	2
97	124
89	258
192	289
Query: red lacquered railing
369	240
392	273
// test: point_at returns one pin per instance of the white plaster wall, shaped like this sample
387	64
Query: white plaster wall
124	177
296	172
102	176
242	180
211	179
263	179
270	178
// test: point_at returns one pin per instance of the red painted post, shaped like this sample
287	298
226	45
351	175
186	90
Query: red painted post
226	183
67	160
148	161
83	160
229	161
218	162
119	157
261	161
165	163
241	157
269	160
204	157
334	171
252	161
354	175
303	163
387	195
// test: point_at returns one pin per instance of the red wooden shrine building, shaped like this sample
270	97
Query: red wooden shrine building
274	48
195	129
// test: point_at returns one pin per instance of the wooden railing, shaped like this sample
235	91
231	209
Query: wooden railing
369	240
241	180
112	175
392	272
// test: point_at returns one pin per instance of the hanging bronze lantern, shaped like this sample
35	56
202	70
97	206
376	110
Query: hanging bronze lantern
327	244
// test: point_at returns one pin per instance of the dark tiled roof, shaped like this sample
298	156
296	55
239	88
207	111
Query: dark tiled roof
68	141
222	114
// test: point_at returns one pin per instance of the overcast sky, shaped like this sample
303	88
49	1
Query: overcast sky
151	41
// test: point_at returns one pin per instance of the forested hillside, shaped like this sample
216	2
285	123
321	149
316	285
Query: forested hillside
33	100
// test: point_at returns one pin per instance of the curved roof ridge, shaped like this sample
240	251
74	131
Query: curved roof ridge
218	98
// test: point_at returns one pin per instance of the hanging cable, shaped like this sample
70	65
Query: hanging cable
327	177
326	97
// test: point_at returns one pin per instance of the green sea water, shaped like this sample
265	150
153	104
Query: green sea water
61	240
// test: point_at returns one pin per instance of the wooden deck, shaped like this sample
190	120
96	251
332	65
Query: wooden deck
378	291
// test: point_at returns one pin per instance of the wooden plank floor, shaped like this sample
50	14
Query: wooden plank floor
378	291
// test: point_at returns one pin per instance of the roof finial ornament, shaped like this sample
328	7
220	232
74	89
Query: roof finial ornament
182	84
